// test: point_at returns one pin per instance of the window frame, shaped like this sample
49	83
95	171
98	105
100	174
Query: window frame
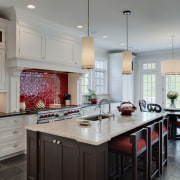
92	78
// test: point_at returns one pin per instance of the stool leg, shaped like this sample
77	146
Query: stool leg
122	164
134	166
117	165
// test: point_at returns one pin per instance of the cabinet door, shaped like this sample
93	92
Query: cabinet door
2	70
50	158
59	51
31	44
115	76
59	158
14	94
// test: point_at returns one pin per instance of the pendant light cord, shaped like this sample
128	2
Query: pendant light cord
88	17
127	30
172	47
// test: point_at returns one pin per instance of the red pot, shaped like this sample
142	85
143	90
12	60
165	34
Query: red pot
94	101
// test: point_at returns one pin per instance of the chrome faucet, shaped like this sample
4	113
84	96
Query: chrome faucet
105	100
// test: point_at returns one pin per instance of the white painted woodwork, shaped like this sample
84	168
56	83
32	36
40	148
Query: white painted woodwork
74	88
14	94
2	71
121	87
12	131
31	44
128	87
115	76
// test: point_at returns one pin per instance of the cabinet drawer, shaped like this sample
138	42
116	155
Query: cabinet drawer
11	147
11	135
12	121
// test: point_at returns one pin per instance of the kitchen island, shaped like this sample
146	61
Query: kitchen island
65	150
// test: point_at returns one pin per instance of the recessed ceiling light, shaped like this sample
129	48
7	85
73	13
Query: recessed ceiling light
105	36
31	6
122	44
80	26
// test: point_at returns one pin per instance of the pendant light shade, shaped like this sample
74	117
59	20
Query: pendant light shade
172	66
127	55
87	53
127	62
88	49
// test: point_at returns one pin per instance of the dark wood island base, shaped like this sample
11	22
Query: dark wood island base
52	157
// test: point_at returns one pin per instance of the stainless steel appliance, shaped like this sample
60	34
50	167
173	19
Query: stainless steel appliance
46	116
72	112
50	115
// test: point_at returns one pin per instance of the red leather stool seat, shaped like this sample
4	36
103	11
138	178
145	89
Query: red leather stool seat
164	129
154	135
123	144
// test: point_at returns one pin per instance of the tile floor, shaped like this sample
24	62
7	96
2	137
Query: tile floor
15	168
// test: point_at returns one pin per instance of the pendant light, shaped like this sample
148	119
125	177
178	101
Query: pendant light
127	55
172	66
88	49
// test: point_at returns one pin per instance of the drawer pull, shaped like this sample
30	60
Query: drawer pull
15	120
54	141
15	132
58	142
15	145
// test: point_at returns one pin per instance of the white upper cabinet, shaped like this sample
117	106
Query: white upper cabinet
39	45
2	71
115	76
58	50
30	44
3	28
121	87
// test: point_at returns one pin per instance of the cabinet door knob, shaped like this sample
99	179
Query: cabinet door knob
58	142
54	141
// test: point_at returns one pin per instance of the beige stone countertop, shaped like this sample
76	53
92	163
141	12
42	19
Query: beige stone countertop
98	132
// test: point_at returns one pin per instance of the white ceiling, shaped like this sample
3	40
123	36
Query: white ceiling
150	26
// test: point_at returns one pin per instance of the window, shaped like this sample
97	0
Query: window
149	80
86	82
96	79
149	87
173	84
100	76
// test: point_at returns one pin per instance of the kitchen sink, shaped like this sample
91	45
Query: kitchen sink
95	117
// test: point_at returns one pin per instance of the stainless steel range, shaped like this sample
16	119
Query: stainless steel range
50	115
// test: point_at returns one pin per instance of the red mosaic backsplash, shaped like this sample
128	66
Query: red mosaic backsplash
48	87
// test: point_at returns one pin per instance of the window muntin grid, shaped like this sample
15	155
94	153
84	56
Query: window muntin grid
85	82
100	82
149	87
173	84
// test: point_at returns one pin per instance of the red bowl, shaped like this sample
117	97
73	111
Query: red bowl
94	101
126	111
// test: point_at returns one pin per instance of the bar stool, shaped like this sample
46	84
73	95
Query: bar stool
153	140
134	145
163	142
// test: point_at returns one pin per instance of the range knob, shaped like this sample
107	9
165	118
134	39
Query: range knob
49	115
41	116
57	115
52	114
77	110
65	114
46	115
69	112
